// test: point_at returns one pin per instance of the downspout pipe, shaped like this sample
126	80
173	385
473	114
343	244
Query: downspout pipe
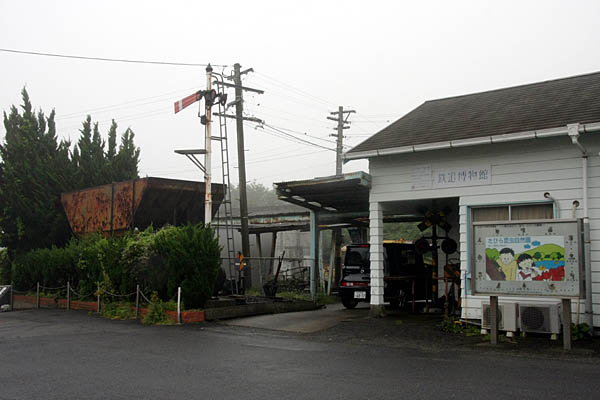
547	196
573	130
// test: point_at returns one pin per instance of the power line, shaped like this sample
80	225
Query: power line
296	138
306	134
297	90
305	100
118	106
285	157
35	53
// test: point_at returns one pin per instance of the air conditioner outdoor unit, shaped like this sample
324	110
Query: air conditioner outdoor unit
542	318
507	316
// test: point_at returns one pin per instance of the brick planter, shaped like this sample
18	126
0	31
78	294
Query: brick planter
187	317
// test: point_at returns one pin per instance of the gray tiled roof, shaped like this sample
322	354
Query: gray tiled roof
542	105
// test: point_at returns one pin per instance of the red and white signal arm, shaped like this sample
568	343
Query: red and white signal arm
186	101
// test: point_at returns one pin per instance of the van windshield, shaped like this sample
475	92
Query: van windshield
357	257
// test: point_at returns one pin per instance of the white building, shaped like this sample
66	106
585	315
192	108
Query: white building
519	153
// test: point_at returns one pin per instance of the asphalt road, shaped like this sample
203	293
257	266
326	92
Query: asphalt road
55	354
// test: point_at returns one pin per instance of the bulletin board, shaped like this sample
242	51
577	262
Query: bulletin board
528	258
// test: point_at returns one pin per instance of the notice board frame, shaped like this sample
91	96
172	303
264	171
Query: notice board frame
490	235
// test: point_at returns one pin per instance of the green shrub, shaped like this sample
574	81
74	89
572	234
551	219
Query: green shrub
171	305
156	312
193	257
580	331
141	262
187	256
5	267
116	310
451	325
50	267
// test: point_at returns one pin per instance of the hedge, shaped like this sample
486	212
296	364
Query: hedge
187	256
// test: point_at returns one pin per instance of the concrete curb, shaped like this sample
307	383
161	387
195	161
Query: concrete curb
246	310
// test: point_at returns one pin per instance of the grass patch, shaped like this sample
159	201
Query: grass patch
120	311
456	326
321	298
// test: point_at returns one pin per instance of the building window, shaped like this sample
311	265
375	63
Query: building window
513	212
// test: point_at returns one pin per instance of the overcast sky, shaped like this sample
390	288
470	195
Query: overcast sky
380	58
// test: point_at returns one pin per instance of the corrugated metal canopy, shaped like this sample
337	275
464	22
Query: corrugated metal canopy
340	193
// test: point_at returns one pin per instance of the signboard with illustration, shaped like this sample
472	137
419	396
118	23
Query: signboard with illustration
527	258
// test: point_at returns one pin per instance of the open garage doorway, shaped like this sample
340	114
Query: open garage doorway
429	226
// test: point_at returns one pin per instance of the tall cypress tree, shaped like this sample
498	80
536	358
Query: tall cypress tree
89	156
35	169
127	159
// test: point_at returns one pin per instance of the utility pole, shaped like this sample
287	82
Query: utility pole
336	233
239	110
342	120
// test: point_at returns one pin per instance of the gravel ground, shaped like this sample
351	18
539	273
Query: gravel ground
423	331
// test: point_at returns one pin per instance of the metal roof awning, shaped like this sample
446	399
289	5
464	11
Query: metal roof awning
345	193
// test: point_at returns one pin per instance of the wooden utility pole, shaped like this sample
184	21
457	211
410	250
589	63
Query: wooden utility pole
239	111
342	120
336	233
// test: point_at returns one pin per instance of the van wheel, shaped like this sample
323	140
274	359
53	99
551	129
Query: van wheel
349	303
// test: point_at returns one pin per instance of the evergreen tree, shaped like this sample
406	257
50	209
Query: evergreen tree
88	156
127	159
108	169
35	169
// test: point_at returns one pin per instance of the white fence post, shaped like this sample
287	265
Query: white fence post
137	301
179	305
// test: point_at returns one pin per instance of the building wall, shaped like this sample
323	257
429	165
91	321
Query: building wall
521	172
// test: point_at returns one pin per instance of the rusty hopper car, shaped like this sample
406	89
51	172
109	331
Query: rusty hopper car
138	203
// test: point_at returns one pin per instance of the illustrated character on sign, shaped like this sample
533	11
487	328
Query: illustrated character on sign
526	269
508	264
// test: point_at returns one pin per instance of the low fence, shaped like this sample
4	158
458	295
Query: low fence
294	274
62	299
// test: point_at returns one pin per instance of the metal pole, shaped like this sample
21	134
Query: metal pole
566	309
68	295
179	305
137	301
239	109
314	252
273	246
260	263
98	297
208	147
321	266
331	262
494	319
12	298
38	295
